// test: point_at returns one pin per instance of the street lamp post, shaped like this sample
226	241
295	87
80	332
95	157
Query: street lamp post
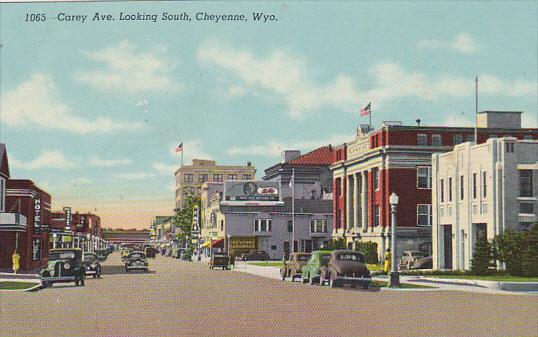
394	275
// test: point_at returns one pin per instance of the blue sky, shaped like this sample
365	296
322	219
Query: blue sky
92	111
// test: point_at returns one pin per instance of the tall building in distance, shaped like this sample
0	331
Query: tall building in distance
479	191
190	178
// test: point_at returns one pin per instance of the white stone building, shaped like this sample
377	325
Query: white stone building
481	190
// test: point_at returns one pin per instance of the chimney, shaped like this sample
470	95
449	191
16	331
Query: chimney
288	155
249	163
418	122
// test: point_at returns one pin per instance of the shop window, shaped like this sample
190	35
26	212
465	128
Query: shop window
424	177
424	215
36	249
232	176
247	177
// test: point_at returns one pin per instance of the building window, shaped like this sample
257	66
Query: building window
526	208
528	137
221	225
462	187
449	189
318	226
290	226
422	139
262	225
188	177
217	177
376	176
493	136
2	194
469	138
202	178
484	209
247	177
475	182
525	183
449	211
377	216
424	215
484	185
232	176
509	147
475	209
441	211
442	188
424	177
437	140
457	139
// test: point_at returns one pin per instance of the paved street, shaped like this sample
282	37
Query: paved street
180	298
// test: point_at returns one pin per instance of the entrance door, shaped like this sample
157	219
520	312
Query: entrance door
286	250
448	246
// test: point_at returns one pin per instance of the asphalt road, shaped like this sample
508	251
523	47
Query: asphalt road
180	298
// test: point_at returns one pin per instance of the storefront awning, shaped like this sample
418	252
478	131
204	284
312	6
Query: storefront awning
217	243
206	245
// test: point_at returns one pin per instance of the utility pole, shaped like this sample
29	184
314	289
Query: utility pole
476	110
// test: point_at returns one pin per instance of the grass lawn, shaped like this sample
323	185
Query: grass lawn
371	267
498	278
16	285
382	284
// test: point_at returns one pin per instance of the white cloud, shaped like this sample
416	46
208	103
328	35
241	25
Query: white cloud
236	90
125	68
462	43
274	148
97	161
192	149
47	159
165	169
81	181
36	102
282	74
134	176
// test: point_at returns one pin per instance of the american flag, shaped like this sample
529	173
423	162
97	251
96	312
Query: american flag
366	110
179	148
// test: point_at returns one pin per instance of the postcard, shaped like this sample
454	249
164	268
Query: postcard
268	168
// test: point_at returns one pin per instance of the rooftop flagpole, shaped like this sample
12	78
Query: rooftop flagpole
476	110
292	185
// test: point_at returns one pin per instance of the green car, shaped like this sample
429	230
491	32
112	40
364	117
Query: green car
318	259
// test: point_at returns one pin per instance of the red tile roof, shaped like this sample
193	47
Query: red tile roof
321	156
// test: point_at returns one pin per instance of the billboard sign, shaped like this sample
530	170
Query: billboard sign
252	192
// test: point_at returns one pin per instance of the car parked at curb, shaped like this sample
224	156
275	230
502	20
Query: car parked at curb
91	262
409	257
346	267
64	266
310	272
423	263
294	266
257	255
136	261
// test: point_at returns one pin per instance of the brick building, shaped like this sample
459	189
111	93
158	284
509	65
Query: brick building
76	229
397	158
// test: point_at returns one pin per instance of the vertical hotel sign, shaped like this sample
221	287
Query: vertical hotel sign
37	212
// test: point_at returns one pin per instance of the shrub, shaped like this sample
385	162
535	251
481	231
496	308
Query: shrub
509	248
483	254
369	250
337	244
530	252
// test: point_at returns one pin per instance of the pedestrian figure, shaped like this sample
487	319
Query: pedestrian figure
388	261
16	261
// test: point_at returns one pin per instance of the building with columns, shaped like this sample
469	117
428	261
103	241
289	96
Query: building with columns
397	158
479	191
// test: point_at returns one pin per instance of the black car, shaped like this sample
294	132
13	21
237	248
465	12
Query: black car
64	265
101	254
136	260
91	262
257	255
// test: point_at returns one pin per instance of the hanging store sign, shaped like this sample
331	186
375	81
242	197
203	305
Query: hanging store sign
37	212
67	211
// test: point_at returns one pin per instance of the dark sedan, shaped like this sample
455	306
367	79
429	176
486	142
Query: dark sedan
136	261
92	265
346	267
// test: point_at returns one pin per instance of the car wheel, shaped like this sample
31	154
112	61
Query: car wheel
365	286
311	280
283	275
94	275
332	283
126	270
82	282
305	279
77	282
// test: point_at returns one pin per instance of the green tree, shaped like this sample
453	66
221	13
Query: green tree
509	250
183	219
483	254
337	244
530	252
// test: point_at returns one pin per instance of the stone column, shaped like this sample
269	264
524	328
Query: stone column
364	201
356	200
348	202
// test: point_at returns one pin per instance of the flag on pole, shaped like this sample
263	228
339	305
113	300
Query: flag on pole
366	110
179	148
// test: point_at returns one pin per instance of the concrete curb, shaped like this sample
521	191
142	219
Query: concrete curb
506	286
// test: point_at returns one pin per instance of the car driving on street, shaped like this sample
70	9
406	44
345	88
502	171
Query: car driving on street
136	261
91	262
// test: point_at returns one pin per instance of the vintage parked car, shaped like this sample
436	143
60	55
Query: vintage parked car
64	265
186	255
318	259
136	260
125	252
91	262
257	255
219	260
294	266
346	267
102	254
176	253
423	263
409	257
150	252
